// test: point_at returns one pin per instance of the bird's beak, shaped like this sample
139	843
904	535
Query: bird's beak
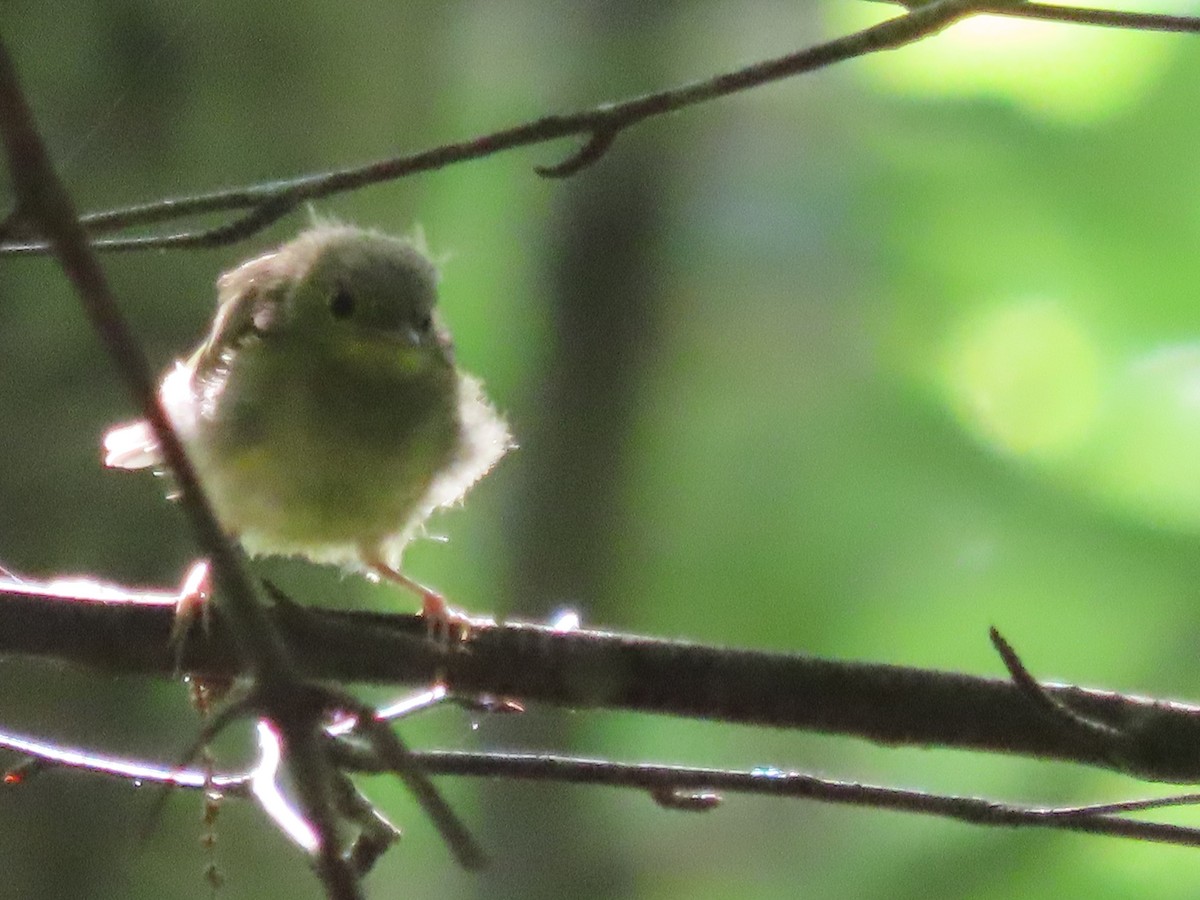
405	335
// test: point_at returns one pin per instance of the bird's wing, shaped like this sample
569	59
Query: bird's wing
249	299
131	446
134	445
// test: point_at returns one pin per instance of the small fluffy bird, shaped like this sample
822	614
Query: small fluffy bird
324	412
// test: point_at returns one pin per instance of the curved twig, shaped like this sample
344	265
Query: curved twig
593	148
601	124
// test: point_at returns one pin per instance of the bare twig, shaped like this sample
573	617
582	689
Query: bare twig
599	125
704	784
777	783
1078	15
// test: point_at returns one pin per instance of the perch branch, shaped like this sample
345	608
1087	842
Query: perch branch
1156	740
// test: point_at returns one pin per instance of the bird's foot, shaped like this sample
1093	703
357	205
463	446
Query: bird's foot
445	623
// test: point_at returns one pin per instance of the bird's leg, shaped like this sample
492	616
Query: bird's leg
190	604
444	621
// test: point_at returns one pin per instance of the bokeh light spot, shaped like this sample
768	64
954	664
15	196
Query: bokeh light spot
1148	456
1069	74
1024	378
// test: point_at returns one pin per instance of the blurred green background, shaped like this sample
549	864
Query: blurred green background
857	365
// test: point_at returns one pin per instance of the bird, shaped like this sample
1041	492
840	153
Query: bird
324	411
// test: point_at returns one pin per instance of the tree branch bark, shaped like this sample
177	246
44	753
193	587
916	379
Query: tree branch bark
1157	740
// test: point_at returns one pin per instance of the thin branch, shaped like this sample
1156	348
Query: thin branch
57	755
44	201
599	125
658	781
776	783
1078	15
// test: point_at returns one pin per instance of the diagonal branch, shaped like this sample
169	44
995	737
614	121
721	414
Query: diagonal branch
43	200
1079	15
599	126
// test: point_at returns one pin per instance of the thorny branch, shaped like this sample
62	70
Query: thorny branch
263	204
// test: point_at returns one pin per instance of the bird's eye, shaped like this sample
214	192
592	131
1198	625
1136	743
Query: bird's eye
341	304
424	322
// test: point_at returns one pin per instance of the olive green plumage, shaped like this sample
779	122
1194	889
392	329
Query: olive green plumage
324	411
